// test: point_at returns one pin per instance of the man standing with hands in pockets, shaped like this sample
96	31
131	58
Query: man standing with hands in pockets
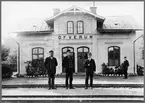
90	67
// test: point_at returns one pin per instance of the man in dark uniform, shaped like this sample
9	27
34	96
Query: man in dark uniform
50	65
90	67
125	67
68	65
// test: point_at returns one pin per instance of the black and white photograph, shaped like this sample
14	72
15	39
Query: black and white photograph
75	51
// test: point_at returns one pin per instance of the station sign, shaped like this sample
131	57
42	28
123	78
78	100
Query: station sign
70	37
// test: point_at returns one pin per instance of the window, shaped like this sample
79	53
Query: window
80	27
114	56
70	27
38	53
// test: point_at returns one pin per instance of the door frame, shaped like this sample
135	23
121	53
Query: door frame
82	52
62	55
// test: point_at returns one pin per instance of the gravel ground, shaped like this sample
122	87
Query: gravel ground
76	80
76	91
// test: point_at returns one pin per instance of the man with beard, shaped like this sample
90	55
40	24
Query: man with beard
90	67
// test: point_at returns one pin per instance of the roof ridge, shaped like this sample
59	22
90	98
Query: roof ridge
74	6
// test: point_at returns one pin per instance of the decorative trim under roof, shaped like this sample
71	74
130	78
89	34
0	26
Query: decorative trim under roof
75	9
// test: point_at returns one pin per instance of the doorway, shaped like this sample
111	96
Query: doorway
64	51
81	57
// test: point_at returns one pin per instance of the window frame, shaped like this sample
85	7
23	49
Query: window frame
113	56
37	54
72	27
83	48
82	27
67	48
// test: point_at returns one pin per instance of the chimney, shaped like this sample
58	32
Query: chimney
93	9
56	11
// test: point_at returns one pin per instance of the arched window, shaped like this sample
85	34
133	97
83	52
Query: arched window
70	27
80	27
113	56
38	53
64	50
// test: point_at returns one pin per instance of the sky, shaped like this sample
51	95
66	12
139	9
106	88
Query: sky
14	13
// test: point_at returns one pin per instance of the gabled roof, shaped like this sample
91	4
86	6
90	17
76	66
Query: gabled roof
119	23
33	24
75	9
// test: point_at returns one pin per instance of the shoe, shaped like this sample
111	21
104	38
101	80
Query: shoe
91	87
71	88
124	78
86	87
49	88
54	88
66	87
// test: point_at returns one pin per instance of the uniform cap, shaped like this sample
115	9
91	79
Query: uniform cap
51	51
68	50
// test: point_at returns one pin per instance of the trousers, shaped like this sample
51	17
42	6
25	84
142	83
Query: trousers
69	76
51	78
125	73
89	75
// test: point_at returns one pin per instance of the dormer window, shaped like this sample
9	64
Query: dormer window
80	27
70	27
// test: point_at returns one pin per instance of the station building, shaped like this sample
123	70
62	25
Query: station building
108	38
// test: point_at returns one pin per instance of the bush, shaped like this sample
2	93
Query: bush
13	67
140	70
118	70
106	70
6	71
35	68
29	69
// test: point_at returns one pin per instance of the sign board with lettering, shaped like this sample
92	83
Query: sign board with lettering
73	37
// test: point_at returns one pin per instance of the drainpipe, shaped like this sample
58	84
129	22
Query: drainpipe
18	56
134	50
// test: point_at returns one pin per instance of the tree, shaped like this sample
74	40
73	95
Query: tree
5	53
13	57
6	69
143	53
142	47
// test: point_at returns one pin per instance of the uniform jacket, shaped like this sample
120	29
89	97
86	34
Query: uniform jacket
125	64
90	65
69	67
50	65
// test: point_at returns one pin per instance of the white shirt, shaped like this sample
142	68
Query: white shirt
89	59
51	57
